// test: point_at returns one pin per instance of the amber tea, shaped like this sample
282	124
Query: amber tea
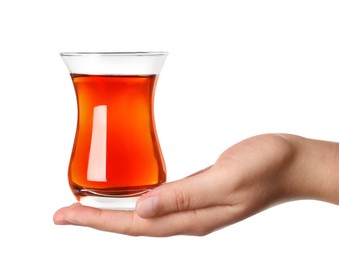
116	151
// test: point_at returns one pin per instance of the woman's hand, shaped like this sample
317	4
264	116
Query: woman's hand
247	178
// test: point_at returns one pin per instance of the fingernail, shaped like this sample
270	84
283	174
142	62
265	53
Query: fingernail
148	207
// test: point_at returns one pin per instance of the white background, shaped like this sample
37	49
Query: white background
235	69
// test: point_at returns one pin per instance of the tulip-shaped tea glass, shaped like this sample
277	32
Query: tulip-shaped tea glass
116	155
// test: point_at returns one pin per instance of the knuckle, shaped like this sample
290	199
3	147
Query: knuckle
182	201
200	225
131	229
201	233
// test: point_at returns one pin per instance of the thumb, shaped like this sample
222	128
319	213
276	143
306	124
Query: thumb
197	191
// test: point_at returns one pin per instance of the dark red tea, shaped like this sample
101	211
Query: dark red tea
116	150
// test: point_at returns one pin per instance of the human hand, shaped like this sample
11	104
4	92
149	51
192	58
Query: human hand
247	178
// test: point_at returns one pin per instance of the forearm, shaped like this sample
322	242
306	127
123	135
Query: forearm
314	171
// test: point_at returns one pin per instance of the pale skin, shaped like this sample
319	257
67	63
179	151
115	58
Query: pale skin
247	178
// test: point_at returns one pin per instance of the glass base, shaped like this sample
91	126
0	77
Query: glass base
109	203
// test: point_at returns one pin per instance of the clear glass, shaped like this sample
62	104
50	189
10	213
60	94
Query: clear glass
116	155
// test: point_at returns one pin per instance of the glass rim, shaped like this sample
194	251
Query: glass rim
116	53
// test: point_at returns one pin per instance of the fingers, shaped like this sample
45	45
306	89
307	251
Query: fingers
196	222
198	191
77	214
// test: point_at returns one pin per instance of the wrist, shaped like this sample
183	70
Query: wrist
313	172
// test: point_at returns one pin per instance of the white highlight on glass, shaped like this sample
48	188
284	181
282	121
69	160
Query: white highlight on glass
96	170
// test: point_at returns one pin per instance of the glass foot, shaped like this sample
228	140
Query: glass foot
110	203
